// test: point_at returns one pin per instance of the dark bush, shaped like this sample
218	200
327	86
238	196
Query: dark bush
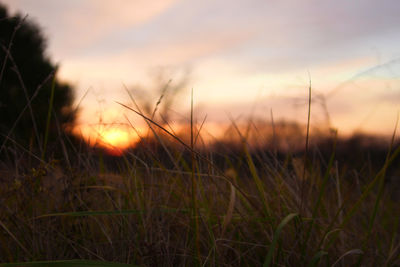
26	80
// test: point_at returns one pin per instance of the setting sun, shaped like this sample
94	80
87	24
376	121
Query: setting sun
117	138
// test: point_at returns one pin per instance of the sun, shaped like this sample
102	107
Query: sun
115	140
116	137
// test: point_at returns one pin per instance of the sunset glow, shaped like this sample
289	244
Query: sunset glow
115	138
239	57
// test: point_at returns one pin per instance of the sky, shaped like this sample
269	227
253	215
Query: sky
240	57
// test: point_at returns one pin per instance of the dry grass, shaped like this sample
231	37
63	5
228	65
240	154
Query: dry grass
247	212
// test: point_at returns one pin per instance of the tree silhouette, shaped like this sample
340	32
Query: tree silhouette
27	79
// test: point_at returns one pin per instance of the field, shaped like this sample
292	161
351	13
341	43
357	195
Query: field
169	202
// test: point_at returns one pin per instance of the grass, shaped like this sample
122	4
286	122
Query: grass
181	205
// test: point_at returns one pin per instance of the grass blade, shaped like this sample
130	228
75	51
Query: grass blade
229	212
353	251
66	263
278	231
315	260
15	239
46	134
104	212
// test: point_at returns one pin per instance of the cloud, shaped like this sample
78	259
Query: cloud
96	18
76	24
290	33
128	65
189	49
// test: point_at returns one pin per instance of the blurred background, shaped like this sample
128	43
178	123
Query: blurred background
241	58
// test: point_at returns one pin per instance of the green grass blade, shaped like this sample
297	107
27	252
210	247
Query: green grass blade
46	134
66	263
105	212
320	197
369	188
350	252
278	231
257	180
315	260
364	195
